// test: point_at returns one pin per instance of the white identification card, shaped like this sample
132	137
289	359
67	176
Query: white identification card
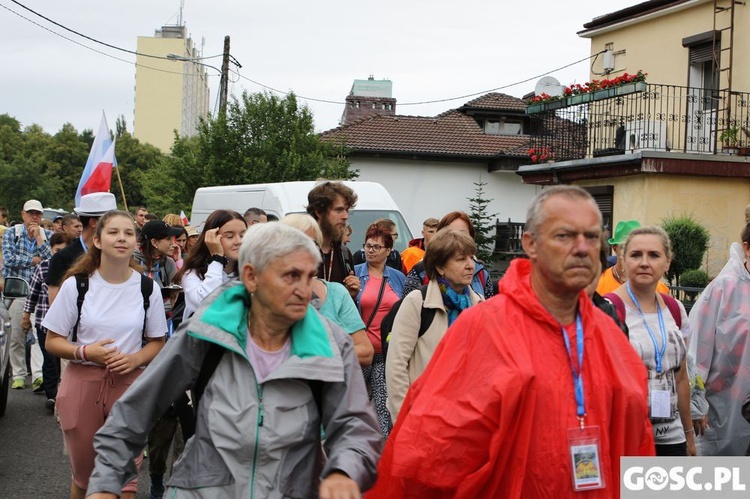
661	406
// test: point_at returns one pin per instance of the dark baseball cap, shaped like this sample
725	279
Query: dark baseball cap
157	229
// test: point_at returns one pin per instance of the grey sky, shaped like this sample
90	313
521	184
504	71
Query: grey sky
430	50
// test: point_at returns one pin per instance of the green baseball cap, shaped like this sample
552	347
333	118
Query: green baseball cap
623	229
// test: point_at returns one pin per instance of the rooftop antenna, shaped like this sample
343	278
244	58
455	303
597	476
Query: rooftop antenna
179	18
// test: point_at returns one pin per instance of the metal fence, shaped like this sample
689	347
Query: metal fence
658	117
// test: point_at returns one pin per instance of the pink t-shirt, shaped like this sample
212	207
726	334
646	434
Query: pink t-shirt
367	303
263	361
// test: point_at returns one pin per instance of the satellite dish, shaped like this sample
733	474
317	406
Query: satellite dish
548	85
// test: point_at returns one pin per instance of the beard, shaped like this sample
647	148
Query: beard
335	233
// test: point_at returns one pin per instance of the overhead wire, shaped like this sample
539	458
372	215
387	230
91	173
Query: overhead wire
115	47
91	48
262	85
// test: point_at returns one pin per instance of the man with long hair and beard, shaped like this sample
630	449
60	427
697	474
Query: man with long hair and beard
329	204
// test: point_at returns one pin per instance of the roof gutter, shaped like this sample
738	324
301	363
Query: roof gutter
615	25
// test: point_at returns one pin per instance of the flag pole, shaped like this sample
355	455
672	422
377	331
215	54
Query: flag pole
122	190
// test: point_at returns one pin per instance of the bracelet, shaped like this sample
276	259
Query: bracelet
75	352
83	354
691	430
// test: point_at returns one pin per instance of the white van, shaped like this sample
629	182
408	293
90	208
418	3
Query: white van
281	199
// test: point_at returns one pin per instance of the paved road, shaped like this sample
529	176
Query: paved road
32	465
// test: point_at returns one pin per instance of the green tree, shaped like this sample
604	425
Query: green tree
263	138
484	225
689	244
134	159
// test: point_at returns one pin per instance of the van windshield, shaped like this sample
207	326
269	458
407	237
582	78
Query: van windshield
361	219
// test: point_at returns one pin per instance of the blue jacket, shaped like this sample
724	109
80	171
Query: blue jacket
394	278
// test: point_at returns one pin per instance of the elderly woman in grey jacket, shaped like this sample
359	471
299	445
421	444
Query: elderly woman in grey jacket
449	263
281	371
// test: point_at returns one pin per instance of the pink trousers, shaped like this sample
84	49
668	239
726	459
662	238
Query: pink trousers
87	394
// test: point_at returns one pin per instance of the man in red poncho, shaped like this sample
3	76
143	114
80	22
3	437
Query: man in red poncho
534	393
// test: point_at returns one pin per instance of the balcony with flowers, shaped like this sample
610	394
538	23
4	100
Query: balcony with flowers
627	114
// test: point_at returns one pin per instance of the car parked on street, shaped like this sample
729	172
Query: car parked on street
14	287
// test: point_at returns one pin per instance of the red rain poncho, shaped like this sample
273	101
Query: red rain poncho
489	416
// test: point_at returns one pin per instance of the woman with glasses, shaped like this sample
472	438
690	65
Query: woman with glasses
380	288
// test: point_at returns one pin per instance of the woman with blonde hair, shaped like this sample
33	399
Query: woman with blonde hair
109	340
173	220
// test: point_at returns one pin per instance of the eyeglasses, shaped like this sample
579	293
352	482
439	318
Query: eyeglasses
372	247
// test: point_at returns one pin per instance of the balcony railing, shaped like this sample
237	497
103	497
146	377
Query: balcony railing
654	117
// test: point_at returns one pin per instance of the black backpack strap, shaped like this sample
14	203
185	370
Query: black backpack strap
82	285
316	387
147	287
210	363
426	315
377	303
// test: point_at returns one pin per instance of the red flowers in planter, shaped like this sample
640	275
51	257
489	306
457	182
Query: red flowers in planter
541	155
591	86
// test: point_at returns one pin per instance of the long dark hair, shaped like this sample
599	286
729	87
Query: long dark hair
197	259
92	259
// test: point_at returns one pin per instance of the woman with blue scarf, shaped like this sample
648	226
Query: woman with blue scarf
449	263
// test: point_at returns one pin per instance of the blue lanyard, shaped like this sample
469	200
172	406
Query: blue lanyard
658	352
85	248
577	374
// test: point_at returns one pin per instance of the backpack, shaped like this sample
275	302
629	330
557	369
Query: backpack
671	303
82	284
386	325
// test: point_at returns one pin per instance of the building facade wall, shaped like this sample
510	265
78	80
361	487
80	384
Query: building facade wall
717	203
654	45
424	189
169	95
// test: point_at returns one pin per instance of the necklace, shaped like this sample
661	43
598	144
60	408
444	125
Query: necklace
616	274
330	265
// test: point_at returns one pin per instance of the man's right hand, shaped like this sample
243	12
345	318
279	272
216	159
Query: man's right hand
26	321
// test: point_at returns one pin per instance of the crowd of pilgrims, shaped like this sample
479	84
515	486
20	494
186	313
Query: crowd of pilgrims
249	357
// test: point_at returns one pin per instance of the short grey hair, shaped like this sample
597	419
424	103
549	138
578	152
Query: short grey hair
304	222
534	216
265	242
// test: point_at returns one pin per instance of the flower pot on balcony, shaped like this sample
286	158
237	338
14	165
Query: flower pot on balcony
630	88
556	104
575	100
536	108
605	93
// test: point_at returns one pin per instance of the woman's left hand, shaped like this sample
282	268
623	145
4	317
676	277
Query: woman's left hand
691	446
338	486
122	363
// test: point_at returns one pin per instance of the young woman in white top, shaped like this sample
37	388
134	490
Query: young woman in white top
213	259
108	353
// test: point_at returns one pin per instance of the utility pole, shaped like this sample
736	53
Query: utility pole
224	82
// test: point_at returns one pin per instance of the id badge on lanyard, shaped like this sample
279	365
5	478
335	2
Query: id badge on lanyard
584	442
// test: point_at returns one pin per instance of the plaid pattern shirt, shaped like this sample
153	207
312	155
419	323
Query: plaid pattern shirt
18	255
38	299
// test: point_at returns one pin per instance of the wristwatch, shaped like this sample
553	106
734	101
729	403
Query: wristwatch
221	259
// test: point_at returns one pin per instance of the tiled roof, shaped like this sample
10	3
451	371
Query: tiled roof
452	133
498	101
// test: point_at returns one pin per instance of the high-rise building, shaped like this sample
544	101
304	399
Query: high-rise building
170	95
